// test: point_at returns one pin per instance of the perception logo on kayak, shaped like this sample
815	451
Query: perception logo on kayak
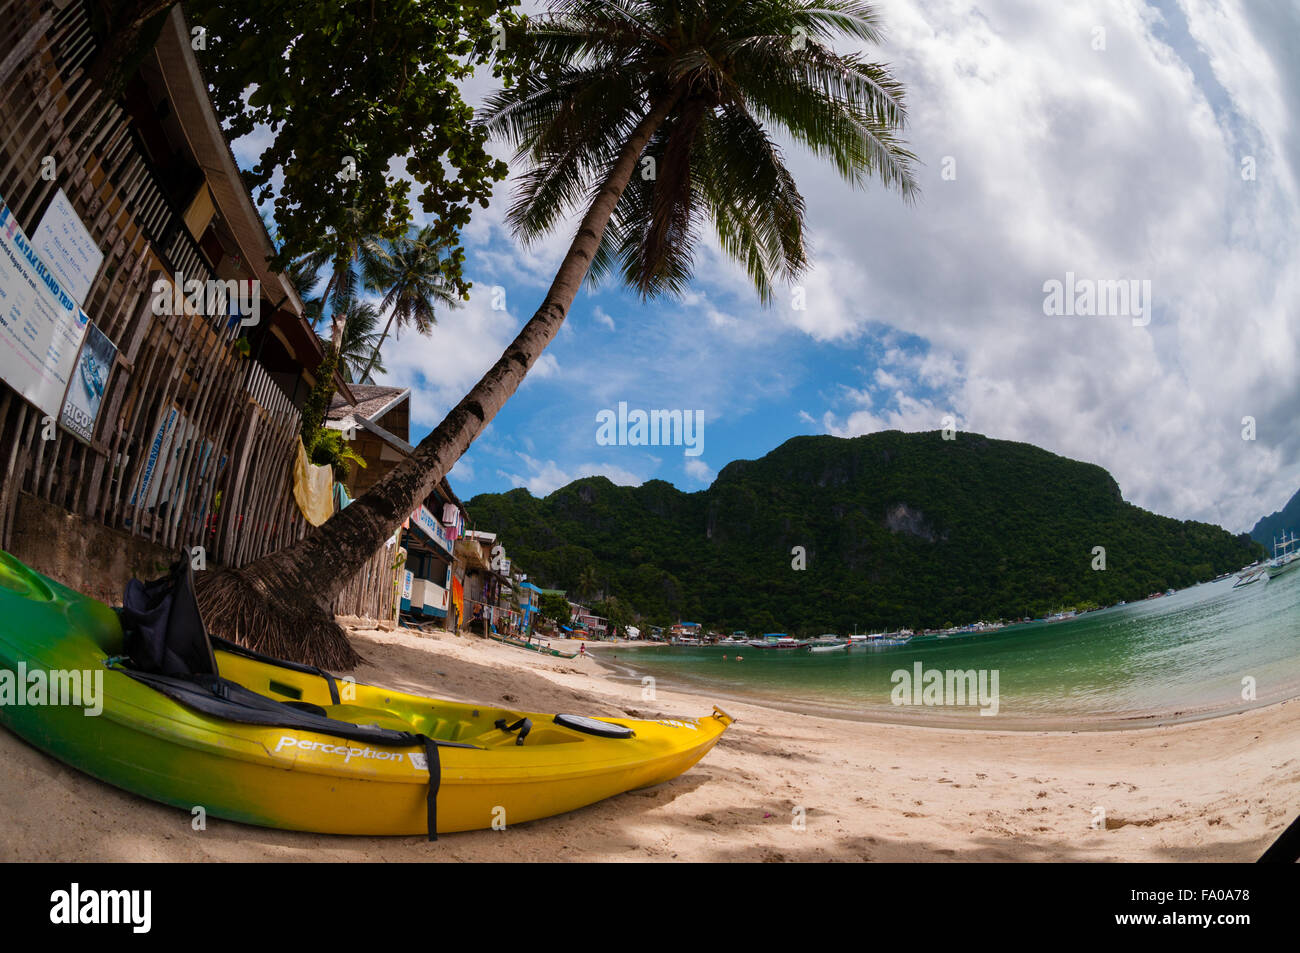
72	687
76	906
348	752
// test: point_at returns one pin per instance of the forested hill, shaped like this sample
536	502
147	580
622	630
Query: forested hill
1277	525
898	529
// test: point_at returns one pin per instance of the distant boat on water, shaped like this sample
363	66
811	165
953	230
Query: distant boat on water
1285	560
884	640
776	640
823	649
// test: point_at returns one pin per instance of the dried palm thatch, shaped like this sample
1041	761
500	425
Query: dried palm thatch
276	621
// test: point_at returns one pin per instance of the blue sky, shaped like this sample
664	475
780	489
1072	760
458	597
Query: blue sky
1102	138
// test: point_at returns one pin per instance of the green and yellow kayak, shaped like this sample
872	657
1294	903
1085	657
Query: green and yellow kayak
342	758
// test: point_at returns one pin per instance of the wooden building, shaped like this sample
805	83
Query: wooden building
142	429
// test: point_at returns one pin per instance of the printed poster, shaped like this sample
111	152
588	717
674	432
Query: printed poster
41	324
94	364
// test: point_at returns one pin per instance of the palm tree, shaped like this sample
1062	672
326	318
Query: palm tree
359	345
413	276
689	84
587	582
353	258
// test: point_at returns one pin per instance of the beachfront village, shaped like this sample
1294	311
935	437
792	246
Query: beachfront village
135	432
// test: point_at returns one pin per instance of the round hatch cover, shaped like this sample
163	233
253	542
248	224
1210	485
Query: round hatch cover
593	727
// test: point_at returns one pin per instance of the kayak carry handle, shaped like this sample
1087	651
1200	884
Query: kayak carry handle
523	726
722	716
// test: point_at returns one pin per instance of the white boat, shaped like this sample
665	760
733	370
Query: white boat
1287	559
889	639
1251	574
823	649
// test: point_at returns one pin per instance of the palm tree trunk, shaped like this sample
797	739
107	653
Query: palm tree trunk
375	355
281	602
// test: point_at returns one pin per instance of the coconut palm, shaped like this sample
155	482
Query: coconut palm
649	119
358	359
354	258
412	274
359	344
588	585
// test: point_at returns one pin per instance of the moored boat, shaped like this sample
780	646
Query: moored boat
824	649
1286	559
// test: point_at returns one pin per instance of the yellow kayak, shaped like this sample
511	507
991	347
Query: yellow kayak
281	745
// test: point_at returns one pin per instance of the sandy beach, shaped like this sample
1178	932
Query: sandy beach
1214	790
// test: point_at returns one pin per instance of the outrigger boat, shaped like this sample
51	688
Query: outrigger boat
1250	574
1285	560
187	719
531	646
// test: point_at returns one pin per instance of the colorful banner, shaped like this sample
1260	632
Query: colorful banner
94	364
41	324
458	598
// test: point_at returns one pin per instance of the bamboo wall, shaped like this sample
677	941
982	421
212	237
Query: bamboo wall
226	485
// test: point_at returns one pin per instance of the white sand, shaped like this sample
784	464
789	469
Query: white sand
1220	789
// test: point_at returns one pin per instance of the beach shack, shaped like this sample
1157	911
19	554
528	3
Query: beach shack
685	631
376	421
530	598
597	627
154	417
430	543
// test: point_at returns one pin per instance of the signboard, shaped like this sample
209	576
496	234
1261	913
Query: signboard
67	249
94	364
406	585
41	324
431	528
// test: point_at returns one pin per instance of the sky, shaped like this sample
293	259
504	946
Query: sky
1151	143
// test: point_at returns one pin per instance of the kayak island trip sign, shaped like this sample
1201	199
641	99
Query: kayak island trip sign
42	325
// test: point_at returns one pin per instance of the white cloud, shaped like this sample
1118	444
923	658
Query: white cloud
1120	163
602	318
697	469
542	477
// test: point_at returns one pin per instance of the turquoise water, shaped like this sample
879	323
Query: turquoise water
1175	658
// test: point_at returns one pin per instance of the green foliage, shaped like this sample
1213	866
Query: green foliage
318	401
1278	525
330	448
359	344
899	529
728	74
554	607
615	611
373	83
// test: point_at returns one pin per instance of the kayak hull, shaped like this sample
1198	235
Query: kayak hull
144	742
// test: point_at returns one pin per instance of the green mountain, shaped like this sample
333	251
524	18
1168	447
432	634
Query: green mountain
1284	522
898	529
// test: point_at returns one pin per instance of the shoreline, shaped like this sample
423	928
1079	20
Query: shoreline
779	786
924	717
